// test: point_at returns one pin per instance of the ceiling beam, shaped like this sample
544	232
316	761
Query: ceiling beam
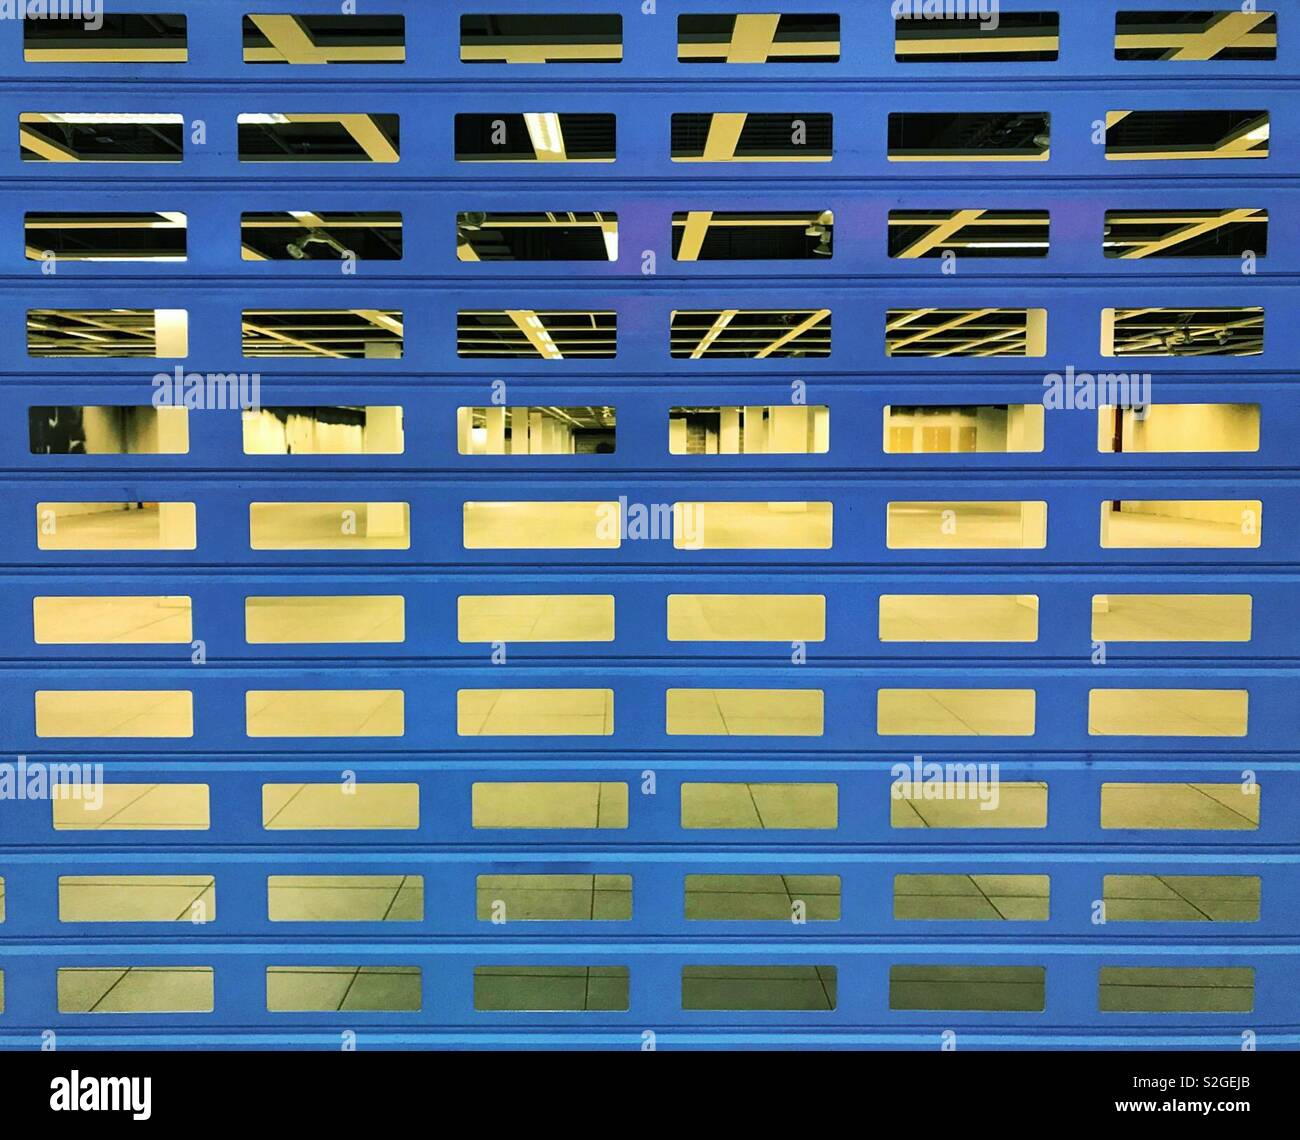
940	233
272	334
724	135
693	234
365	131
799	48
46	148
1224	31
969	346
380	319
952	323
799	329
289	39
1187	233
752	38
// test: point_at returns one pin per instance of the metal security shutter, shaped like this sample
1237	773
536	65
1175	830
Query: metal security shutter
421	725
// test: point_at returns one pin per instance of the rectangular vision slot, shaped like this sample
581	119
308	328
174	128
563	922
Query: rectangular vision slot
107	430
541	37
496	430
776	429
767	37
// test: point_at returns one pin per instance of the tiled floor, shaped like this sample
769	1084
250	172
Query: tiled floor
538	988
760	806
590	712
325	526
1164	989
343	989
1134	530
955	712
1203	807
965	526
293	807
744	712
1018	805
113	620
535	712
591	988
130	620
1169	617
968	617
1182	898
328	712
586	525
762	897
541	526
135	989
746	617
808	988
554	898
136	898
345	898
753	526
1167	712
535	617
695	526
1006	526
116	529
136	807
1018	988
1017	898
114	712
367	618
739	805
190	989
603	897
547	805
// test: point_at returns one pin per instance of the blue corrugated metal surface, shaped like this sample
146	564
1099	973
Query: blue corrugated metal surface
1074	283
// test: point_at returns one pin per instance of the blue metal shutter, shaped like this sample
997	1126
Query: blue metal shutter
429	285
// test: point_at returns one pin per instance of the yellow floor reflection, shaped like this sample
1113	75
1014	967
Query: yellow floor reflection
535	712
955	712
744	712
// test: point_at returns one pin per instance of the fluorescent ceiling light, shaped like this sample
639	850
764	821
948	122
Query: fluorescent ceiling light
544	131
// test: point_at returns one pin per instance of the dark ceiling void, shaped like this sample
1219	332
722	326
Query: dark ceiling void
553	37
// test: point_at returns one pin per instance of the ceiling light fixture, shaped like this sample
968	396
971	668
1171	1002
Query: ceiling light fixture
544	131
